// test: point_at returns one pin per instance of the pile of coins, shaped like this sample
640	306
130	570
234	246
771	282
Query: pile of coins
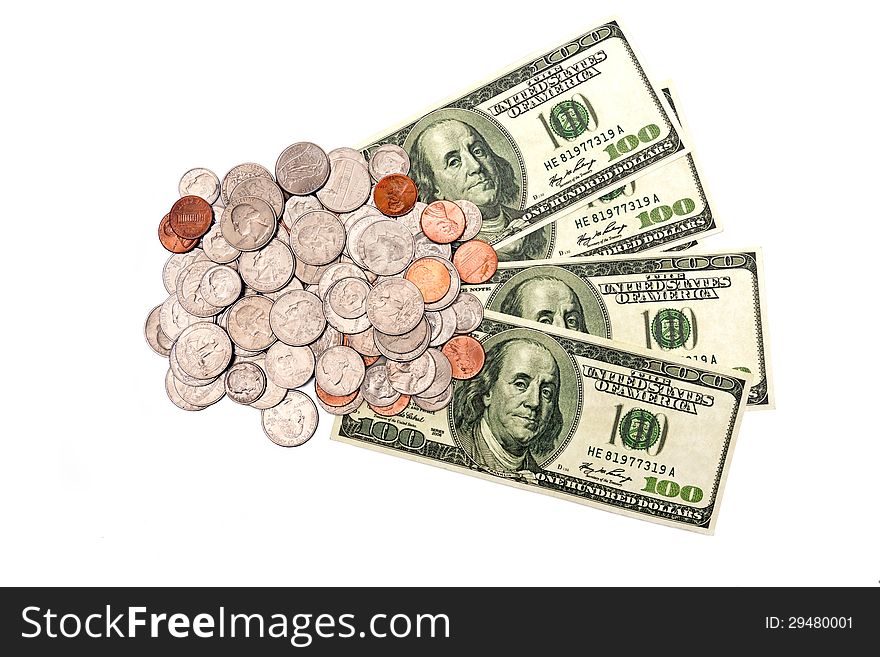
332	268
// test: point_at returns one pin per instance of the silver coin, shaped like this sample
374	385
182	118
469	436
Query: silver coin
388	159
350	219
294	284
269	269
216	247
386	248
175	397
302	168
355	233
297	318
348	297
447	327
248	224
329	338
310	274
364	343
202	396
260	187
173	318
273	395
292	422
156	338
468	312
238	173
395	306
249	323
175	264
442	374
339	371
340	323
437	403
297	206
473	220
413	219
189	290
220	285
203	183
344	151
289	367
180	375
412	377
336	272
406	347
238	351
348	186
350	407
454	286
376	388
245	382
424	246
370	276
203	350
317	237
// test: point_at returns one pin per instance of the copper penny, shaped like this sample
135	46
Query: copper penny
431	277
466	356
476	261
369	360
170	239
443	222
191	217
391	409
335	400
395	195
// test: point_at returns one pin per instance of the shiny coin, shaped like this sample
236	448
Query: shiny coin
468	312
443	222
395	195
245	382
388	159
473	219
413	219
173	318
406	347
180	375
343	324
292	422
156	338
348	297
171	240
476	261
273	395
203	350
425	247
248	224
202	396
289	367
175	264
331	337
268	269
339	370
217	248
297	318
260	187
385	247
350	153
175	397
237	174
442	374
431	277
189	291
220	285
412	377
249	323
297	206
376	388
447	327
466	356
395	306
302	168
337	272
200	182
317	237
347	187
191	217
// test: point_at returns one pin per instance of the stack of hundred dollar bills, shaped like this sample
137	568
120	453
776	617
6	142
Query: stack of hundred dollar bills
621	349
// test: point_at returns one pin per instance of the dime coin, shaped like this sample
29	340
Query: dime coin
395	306
425	247
249	322
200	182
388	159
220	285
191	217
248	224
385	247
442	374
156	338
395	194
260	187
317	237
289	367
175	397
171	240
297	318
217	248
476	261
203	350
339	370
273	395
376	388
347	187
473	220
466	356
413	377
237	174
468	312
335	400
434	403
245	382
431	277
394	409
268	269
302	168
348	297
443	222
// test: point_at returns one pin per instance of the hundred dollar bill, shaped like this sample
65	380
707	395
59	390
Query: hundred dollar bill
705	306
543	137
665	209
581	418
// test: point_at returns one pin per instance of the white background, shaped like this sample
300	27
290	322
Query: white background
104	481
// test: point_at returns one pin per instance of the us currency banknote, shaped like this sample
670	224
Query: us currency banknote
621	428
706	306
542	138
665	209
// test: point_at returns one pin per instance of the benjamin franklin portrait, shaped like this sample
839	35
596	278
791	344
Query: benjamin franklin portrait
457	154
511	417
